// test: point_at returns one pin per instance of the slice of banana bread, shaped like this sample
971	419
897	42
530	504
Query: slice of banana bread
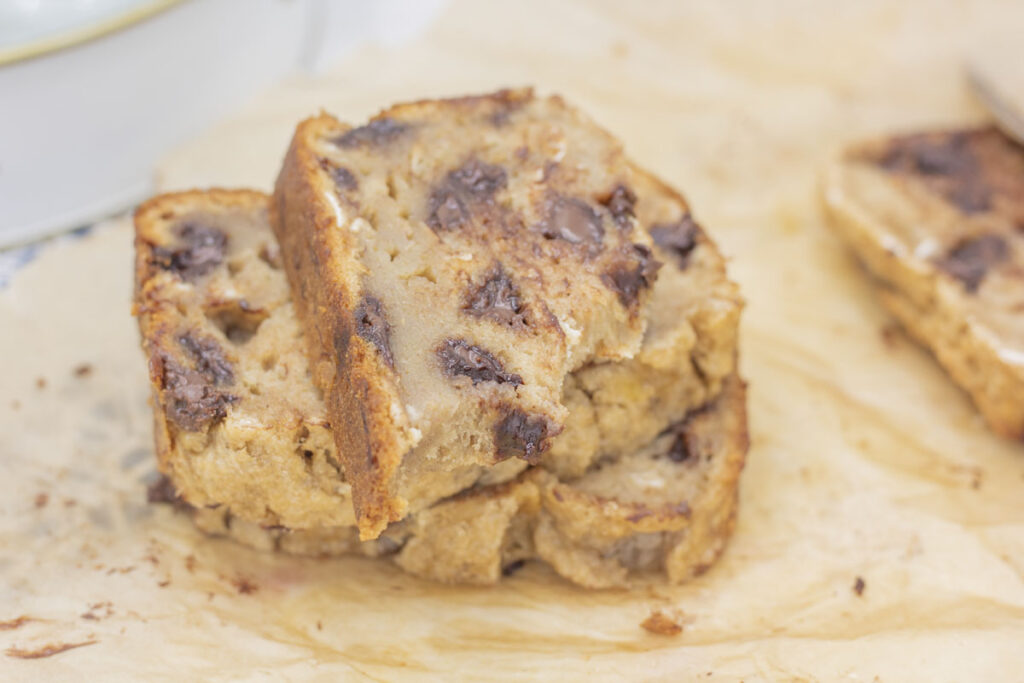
668	508
473	278
241	434
237	419
938	220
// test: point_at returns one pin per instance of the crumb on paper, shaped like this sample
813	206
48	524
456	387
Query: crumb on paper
17	622
858	586
46	650
244	585
892	335
121	570
83	370
662	624
41	499
98	610
40	382
319	625
164	584
190	563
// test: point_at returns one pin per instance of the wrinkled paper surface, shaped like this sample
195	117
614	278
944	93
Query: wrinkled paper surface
865	460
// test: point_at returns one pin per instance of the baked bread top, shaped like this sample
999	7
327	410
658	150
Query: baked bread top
454	262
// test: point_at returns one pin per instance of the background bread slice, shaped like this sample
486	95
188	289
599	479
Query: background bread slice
936	220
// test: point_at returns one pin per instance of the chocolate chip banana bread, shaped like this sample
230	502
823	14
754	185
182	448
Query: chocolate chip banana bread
938	220
241	434
667	508
238	422
474	279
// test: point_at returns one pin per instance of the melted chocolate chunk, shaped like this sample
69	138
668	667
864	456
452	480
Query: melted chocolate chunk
947	163
162	491
945	155
192	402
208	357
376	133
446	210
460	358
970	260
512	567
497	298
192	397
478	179
372	325
520	435
620	204
634	272
572	220
679	451
202	250
342	177
473	184
679	238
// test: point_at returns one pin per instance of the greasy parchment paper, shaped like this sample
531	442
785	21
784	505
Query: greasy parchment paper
865	461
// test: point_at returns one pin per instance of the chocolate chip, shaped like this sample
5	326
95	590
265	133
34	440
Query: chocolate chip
620	204
201	251
679	451
970	196
572	220
933	154
342	177
376	133
946	162
473	184
192	402
372	325
497	298
970	260
512	567
446	211
460	358
633	272
679	238
479	179
208	357
520	435
162	491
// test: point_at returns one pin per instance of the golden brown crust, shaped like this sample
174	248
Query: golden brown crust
346	366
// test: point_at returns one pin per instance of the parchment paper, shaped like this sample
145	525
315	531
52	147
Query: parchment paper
866	461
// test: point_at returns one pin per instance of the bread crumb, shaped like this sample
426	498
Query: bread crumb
662	624
40	382
858	586
244	585
46	650
42	499
83	370
12	624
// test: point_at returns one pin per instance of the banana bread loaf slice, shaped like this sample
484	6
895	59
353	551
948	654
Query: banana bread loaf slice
241	434
937	219
457	262
238	422
666	509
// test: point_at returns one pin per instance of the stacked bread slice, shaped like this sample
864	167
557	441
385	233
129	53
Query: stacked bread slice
467	334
